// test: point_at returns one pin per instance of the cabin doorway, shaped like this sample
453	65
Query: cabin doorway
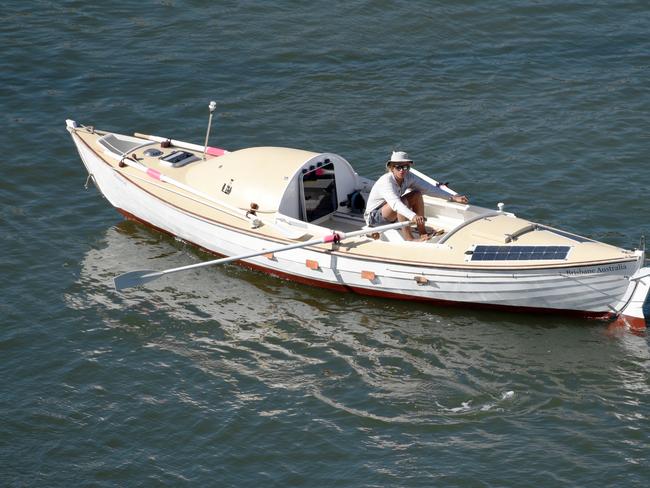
318	190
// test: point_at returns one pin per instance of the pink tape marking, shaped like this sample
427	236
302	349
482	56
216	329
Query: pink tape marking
332	238
215	151
154	173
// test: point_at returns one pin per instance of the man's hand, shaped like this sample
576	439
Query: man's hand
459	199
418	220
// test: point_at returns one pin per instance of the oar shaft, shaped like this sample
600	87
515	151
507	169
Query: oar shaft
136	278
239	257
380	229
334	238
213	151
442	186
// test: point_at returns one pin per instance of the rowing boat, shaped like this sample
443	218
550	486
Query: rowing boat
298	214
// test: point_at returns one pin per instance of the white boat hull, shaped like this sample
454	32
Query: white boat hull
595	291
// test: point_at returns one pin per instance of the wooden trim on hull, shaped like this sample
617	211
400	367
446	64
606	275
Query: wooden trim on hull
384	294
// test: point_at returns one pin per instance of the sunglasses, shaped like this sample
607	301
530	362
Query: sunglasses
403	167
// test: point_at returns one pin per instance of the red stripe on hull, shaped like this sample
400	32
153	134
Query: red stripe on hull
384	294
635	324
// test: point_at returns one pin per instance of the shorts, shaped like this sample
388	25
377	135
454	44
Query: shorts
375	218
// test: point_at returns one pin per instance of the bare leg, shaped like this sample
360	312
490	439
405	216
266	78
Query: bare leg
390	215
406	231
415	202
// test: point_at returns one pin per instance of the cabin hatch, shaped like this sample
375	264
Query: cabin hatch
318	189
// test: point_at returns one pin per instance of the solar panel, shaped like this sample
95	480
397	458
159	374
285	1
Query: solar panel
517	253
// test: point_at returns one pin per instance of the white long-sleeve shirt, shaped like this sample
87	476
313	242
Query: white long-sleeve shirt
387	190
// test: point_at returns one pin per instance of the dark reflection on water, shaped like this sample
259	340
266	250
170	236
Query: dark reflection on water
253	357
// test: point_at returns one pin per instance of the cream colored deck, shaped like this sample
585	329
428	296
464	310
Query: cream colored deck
261	175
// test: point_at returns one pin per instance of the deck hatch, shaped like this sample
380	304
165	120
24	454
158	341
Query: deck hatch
178	159
517	253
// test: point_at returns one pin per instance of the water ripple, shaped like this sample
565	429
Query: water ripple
226	377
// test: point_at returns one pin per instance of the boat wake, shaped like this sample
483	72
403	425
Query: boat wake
324	352
472	406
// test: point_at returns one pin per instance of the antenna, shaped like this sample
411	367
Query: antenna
212	107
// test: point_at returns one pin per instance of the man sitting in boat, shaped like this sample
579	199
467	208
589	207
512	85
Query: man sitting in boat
390	199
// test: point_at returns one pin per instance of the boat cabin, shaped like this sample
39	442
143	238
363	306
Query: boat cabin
298	186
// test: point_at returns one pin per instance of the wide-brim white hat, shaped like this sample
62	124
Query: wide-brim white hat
399	157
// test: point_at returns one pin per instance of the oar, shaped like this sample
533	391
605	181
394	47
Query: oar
255	220
213	151
433	182
136	278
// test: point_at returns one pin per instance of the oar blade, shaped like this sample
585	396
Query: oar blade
135	278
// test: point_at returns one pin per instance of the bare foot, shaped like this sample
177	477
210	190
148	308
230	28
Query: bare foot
431	231
422	238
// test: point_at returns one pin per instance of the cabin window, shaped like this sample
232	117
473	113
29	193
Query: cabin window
319	191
